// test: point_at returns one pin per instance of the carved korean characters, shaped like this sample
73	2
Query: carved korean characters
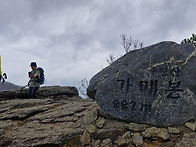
148	87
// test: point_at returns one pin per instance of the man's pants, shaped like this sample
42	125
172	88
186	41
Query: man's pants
33	92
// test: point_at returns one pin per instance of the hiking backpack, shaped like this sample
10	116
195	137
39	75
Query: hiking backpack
42	77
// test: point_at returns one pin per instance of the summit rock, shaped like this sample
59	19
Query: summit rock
154	85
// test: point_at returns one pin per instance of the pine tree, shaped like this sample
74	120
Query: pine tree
191	40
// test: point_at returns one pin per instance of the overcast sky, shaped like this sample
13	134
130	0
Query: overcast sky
71	39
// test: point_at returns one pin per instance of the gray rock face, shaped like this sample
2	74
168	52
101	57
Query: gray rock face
154	85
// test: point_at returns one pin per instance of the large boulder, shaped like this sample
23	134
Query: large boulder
154	85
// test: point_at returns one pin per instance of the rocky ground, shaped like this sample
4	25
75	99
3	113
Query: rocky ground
60	118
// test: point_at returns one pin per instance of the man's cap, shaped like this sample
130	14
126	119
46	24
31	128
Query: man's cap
33	64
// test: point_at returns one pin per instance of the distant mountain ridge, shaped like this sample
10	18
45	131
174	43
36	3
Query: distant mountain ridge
8	86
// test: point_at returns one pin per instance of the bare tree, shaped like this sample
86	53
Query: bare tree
130	44
126	42
111	59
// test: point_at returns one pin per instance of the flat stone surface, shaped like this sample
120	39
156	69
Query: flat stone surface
154	85
42	122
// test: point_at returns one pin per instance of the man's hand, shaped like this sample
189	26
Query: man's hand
33	76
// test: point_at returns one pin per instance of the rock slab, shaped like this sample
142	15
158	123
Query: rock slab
41	122
154	85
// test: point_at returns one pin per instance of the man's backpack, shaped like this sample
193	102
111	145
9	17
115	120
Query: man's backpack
42	77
